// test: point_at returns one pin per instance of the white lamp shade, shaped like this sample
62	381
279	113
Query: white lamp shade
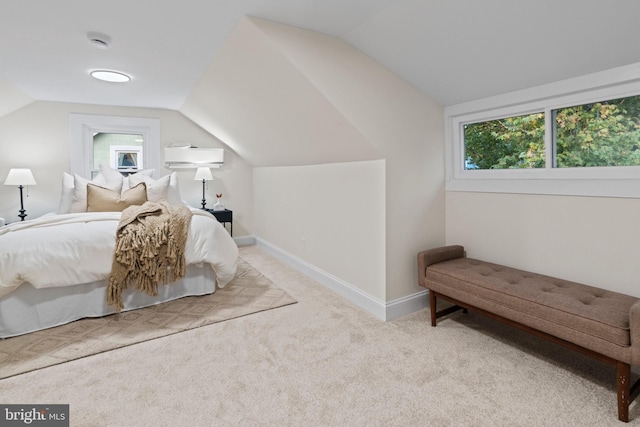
203	173
20	176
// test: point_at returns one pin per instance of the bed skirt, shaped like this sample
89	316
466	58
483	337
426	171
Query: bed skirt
28	309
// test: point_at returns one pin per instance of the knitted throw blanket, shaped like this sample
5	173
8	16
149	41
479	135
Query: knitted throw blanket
150	246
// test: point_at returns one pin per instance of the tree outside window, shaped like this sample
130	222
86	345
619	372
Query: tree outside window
603	133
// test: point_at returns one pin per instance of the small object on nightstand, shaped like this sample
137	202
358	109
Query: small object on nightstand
218	206
224	216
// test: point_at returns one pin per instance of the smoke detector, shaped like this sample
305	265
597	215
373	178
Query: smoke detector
99	40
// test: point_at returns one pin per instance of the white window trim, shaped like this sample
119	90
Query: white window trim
621	181
82	127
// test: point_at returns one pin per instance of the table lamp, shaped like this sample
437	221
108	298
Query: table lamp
203	174
20	177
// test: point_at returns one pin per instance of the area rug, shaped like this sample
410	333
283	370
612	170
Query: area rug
248	293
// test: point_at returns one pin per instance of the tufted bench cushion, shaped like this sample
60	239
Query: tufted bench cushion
599	323
590	310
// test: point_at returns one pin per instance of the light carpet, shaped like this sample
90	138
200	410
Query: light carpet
325	362
249	292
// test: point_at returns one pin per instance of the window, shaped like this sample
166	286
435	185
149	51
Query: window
121	151
508	143
599	134
575	137
605	133
124	143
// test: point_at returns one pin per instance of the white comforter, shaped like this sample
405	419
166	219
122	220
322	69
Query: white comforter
70	249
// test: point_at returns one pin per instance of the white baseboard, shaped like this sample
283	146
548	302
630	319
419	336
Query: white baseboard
407	305
380	309
245	240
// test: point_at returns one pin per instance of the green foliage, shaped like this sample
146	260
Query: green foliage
600	134
513	142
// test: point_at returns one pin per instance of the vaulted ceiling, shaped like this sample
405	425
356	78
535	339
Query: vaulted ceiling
452	50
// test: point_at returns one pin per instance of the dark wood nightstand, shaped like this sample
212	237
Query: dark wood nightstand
223	217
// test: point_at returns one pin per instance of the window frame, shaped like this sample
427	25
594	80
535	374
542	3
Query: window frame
605	181
82	127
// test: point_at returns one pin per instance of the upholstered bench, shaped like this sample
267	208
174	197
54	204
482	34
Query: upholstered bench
596	322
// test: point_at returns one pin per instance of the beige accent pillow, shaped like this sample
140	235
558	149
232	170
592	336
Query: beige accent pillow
100	199
79	201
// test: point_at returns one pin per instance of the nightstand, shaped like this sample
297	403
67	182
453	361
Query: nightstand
223	217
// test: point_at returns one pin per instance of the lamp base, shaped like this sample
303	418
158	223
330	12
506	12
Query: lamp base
22	211
204	200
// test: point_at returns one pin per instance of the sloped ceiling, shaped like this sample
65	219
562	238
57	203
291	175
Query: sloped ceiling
257	97
11	98
258	92
164	46
462	50
454	51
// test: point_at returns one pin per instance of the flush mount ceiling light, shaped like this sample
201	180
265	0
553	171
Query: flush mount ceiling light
110	76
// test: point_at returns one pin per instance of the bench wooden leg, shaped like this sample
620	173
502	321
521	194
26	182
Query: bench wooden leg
432	305
437	314
623	375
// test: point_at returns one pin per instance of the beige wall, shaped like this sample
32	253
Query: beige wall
341	219
401	124
592	240
37	136
331	216
302	99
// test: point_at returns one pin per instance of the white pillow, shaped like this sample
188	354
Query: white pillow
126	184
111	176
66	195
165	188
174	190
157	189
79	202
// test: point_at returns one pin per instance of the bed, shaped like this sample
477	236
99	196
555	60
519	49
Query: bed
54	269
